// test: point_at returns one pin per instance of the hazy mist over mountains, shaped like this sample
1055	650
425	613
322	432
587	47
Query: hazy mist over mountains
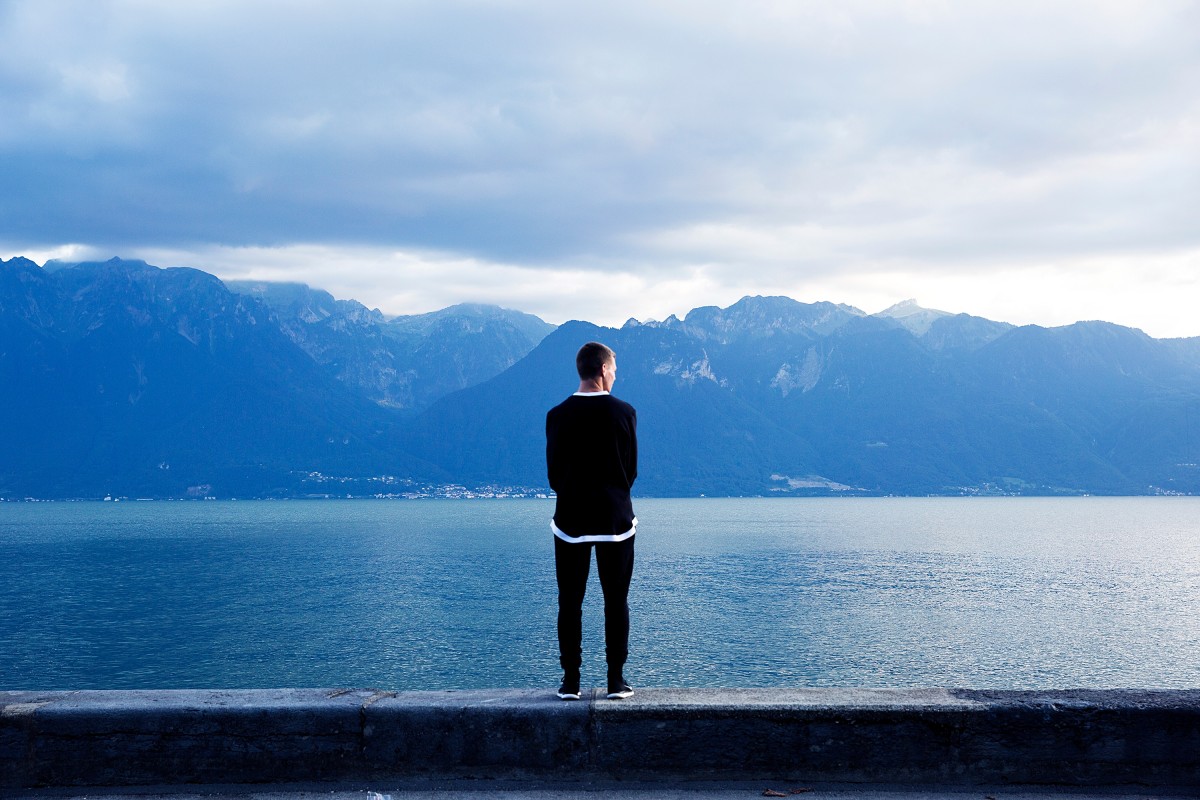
121	379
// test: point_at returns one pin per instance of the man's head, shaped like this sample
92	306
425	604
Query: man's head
598	363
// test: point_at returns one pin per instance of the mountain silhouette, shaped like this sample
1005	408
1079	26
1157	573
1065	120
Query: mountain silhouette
123	379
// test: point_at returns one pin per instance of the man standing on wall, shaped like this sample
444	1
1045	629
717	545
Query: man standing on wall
591	458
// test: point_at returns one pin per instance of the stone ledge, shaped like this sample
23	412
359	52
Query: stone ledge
942	737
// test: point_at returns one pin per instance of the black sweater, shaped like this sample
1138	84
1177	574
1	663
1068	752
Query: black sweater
591	458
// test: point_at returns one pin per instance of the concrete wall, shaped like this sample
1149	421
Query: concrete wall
942	737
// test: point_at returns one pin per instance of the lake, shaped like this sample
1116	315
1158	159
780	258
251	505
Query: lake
444	594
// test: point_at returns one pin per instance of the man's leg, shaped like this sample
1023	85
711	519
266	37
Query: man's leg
614	563
571	565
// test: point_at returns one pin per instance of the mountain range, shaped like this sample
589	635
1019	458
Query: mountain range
122	379
403	362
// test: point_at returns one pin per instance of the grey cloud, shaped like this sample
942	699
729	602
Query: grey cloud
552	133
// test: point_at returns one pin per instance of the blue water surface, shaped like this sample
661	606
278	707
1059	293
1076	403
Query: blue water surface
443	594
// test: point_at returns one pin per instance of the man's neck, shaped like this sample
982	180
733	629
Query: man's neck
592	386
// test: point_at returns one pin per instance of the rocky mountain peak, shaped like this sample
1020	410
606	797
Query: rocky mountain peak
912	316
757	316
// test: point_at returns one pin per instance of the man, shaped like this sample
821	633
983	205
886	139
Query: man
591	458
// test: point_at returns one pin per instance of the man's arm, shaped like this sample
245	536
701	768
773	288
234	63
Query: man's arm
631	458
552	461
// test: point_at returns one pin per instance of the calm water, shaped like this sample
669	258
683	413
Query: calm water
1001	593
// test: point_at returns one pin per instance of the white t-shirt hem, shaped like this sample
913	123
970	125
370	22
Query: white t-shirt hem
616	537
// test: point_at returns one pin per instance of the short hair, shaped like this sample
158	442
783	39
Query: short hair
591	358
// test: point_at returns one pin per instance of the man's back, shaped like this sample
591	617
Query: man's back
591	459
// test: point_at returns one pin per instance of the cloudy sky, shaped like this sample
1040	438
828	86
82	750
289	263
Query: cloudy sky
1035	162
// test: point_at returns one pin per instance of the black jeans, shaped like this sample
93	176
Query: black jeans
614	563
